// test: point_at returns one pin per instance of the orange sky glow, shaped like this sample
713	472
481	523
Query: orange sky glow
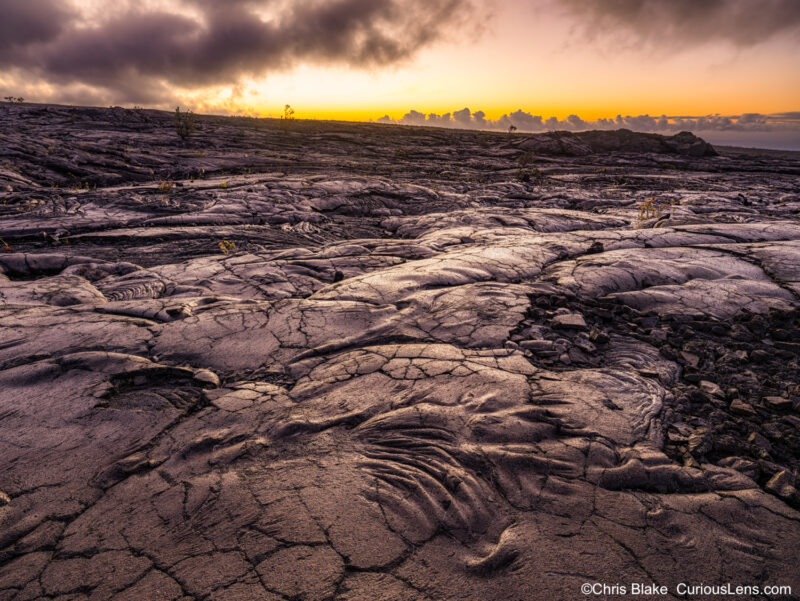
551	58
539	63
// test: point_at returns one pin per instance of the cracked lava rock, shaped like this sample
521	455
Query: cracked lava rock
331	361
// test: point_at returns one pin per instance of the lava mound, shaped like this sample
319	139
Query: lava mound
566	143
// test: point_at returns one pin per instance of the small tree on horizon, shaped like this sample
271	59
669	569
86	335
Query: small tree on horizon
288	115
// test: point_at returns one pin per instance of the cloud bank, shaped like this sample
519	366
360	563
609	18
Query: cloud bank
139	51
526	122
780	130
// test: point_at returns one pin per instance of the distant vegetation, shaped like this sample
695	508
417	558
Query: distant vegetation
14	99
184	123
288	116
652	208
526	170
226	246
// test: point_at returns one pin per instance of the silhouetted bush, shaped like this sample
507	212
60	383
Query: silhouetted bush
184	123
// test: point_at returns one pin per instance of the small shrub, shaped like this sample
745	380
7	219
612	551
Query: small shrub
526	159
184	123
526	171
650	208
288	115
6	247
226	246
165	187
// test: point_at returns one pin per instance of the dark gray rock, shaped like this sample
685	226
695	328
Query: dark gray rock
569	321
778	402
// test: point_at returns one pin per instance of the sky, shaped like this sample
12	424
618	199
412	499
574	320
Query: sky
724	66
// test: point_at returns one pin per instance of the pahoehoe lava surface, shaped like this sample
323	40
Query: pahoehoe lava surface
362	362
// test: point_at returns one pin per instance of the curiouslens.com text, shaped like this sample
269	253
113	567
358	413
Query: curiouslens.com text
682	589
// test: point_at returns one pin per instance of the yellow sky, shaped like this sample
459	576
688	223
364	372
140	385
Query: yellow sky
541	65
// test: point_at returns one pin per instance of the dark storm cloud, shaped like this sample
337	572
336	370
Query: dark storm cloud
31	21
206	42
742	22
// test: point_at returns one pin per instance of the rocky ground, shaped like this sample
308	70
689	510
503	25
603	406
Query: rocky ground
303	361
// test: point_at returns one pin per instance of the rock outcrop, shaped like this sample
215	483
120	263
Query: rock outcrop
565	143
